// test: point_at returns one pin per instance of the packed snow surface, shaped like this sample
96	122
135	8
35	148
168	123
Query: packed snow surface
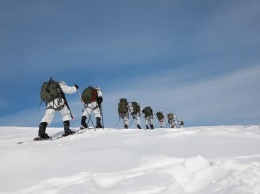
201	160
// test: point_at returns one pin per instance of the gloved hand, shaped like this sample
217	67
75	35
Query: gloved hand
99	99
76	86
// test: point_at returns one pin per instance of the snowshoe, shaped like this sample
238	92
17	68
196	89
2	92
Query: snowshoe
40	138
67	133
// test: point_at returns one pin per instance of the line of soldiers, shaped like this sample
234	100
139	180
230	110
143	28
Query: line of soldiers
125	107
53	94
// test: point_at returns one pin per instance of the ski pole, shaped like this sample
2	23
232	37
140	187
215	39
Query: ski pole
118	121
101	112
131	122
89	114
66	103
80	96
89	119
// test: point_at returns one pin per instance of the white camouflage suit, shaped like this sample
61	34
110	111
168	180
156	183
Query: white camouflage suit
57	104
125	119
161	121
148	118
136	116
93	106
174	122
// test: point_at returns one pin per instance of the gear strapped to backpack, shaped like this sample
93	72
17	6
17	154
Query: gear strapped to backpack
170	116
159	115
122	106
89	95
136	107
50	91
147	111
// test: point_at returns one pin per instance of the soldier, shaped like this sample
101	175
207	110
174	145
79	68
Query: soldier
148	115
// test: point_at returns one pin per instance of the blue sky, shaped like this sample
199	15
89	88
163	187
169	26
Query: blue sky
199	59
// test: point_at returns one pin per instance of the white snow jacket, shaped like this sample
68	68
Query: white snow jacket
99	92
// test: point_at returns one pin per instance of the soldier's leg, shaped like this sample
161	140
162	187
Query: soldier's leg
46	120
86	112
97	113
126	121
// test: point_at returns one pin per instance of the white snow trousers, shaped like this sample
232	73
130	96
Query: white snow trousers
137	119
162	123
50	113
88	108
149	120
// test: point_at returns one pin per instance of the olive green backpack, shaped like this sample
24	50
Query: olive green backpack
50	90
122	106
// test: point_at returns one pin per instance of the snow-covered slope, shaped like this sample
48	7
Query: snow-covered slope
210	159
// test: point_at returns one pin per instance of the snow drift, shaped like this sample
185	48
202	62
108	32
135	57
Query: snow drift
210	159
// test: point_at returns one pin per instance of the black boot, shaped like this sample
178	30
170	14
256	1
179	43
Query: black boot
126	126
42	128
139	127
151	126
67	130
98	123
147	127
83	122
